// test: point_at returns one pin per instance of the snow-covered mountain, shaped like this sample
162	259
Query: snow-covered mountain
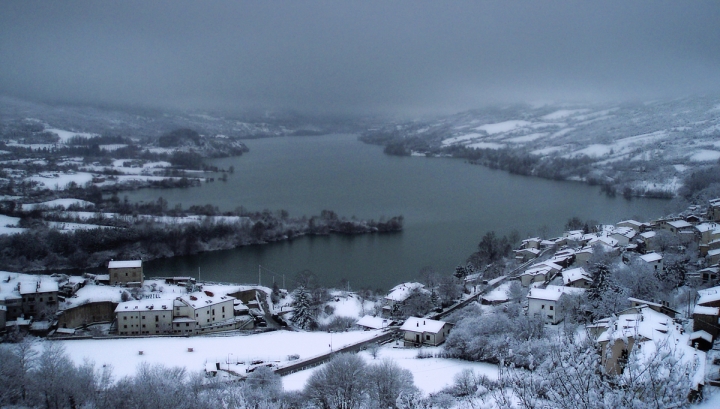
647	147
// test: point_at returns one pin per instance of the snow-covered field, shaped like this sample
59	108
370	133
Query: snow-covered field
57	203
59	181
430	374
124	354
8	225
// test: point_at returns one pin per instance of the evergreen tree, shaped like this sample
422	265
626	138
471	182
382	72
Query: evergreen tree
302	315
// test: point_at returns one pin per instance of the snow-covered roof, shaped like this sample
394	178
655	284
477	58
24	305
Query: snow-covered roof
542	268
125	264
651	257
422	325
604	240
646	325
631	222
701	310
38	285
201	299
704	227
708	295
575	274
713	252
402	291
628	232
701	335
679	224
369	321
648	234
552	292
145	305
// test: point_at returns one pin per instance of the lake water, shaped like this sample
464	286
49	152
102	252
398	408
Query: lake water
448	205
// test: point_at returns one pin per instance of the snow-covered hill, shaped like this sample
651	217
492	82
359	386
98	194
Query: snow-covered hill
644	146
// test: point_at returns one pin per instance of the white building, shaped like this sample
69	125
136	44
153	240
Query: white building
144	317
424	331
577	277
546	302
655	260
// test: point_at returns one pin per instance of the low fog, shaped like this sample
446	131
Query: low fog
370	57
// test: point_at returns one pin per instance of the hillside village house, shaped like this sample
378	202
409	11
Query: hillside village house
675	226
397	296
706	319
654	260
576	277
38	297
623	235
633	224
645	331
648	240
24	295
545	302
714	210
126	272
713	256
424	331
540	272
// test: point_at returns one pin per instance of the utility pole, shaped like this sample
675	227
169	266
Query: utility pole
198	274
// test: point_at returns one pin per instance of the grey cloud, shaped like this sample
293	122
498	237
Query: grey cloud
356	57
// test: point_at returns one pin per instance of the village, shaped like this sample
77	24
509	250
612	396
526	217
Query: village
546	282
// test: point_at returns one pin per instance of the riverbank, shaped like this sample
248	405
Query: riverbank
97	237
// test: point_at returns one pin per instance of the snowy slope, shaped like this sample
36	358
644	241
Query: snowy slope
636	145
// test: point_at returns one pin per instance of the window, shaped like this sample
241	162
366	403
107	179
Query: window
124	318
223	309
551	308
187	324
124	326
542	307
213	311
427	337
143	317
157	318
41	299
143	325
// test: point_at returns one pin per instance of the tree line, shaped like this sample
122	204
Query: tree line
42	248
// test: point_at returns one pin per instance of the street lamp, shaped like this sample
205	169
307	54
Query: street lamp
228	359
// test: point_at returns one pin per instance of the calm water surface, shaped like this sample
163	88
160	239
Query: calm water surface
447	204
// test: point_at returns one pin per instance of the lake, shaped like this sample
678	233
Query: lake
448	206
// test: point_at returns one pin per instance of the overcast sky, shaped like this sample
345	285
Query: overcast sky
356	57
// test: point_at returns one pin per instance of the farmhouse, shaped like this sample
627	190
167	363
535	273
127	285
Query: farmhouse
424	331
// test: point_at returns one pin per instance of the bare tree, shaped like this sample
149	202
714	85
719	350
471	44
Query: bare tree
386	382
341	383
